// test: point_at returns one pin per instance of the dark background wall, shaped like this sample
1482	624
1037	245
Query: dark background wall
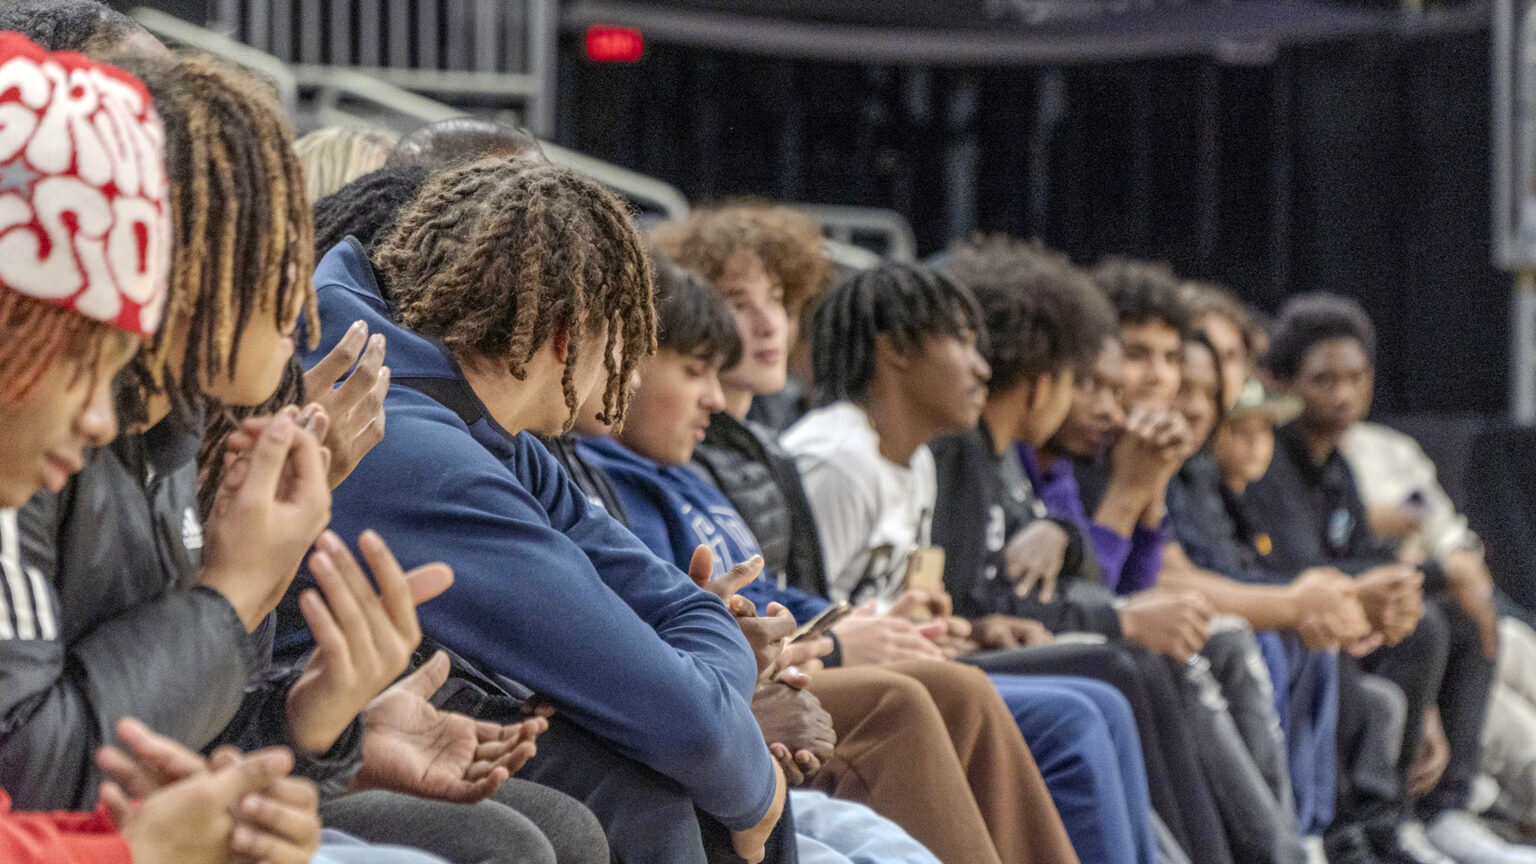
1360	167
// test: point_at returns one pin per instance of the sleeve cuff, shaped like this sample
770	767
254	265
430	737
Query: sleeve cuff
333	770
835	659
248	655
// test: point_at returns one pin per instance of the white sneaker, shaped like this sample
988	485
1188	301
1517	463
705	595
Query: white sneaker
1466	840
1414	843
1314	847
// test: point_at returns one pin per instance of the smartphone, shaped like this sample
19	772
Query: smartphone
823	622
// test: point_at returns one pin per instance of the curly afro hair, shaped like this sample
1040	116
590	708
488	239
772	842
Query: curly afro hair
1308	319
1142	291
788	242
1043	314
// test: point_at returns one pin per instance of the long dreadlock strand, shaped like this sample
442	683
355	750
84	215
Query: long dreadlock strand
497	257
36	335
244	236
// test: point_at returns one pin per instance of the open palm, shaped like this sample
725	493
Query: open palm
413	747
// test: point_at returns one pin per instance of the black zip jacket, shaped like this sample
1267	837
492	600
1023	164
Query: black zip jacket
984	499
745	462
114	560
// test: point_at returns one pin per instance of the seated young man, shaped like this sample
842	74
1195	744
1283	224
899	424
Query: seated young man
1307	504
1047	320
1405	502
895	347
674	510
650	676
1325	708
1124	487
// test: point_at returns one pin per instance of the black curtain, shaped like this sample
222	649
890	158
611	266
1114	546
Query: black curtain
1359	167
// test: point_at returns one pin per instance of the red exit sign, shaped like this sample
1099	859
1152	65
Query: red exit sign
609	44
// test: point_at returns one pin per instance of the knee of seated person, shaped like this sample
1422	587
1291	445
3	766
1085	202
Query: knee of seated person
1118	667
954	682
1433	633
1384	701
907	701
1073	709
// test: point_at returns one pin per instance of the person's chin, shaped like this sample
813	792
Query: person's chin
16	491
762	380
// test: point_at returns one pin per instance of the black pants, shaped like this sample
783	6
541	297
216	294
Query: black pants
1441	663
1370	792
1179	790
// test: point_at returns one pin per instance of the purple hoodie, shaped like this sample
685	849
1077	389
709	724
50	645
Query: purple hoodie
1129	564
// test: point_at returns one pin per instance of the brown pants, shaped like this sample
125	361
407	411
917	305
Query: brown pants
931	746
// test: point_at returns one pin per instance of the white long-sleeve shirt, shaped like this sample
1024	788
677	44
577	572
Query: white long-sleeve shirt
1389	468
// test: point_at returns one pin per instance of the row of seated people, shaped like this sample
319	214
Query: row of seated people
1001	675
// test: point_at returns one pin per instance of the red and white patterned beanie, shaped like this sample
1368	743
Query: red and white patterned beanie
85	219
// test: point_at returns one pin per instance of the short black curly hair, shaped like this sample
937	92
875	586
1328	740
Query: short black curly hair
904	303
67	25
1043	314
1142	291
1308	319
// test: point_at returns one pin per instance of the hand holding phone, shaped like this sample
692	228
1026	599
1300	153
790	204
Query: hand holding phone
824	621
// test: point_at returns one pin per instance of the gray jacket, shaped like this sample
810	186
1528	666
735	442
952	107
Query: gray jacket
103	619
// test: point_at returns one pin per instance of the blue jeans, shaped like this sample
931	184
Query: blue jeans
833	831
1084	738
1307	700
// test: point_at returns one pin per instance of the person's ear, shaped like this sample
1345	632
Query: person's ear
1038	392
886	355
560	343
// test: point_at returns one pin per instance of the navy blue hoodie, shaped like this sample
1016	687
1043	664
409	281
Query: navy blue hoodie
674	511
548	590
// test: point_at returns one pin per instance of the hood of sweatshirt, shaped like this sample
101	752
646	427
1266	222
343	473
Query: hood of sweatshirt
349	291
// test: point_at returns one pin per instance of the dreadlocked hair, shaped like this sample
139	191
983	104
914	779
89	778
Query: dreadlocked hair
366	208
497	257
905	303
244	237
1043	314
36	335
789	244
223	422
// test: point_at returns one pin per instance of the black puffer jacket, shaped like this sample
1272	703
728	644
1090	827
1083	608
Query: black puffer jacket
745	462
111	565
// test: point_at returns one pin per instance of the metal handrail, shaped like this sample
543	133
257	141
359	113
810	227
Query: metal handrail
850	256
647	190
843	222
332	83
170	27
